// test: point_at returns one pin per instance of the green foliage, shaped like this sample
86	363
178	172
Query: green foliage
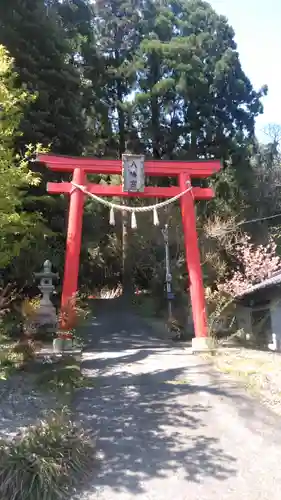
11	325
26	350
47	68
16	356
147	76
45	461
63	376
146	305
263	194
8	362
11	359
17	227
221	313
31	32
170	85
194	99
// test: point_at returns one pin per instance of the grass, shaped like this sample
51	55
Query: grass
14	357
178	382
245	374
258	371
10	361
3	338
63	376
46	461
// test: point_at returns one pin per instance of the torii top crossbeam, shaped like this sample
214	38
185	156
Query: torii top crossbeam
170	168
159	168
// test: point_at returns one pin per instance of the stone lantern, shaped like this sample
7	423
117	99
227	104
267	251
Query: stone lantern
46	316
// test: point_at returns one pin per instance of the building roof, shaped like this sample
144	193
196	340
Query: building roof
268	282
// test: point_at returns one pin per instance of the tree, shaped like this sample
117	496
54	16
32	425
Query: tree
18	228
151	76
77	18
117	33
264	196
31	31
46	66
184	92
255	263
194	99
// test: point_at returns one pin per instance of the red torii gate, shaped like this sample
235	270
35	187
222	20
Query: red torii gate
183	170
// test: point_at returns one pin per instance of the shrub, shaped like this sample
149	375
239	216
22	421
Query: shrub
221	312
45	461
11	325
255	264
29	307
64	375
26	349
10	356
72	313
27	345
10	362
16	357
146	305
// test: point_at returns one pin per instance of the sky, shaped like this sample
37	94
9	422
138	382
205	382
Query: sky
257	24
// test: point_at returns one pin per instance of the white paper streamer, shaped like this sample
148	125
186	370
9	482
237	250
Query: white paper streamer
133	221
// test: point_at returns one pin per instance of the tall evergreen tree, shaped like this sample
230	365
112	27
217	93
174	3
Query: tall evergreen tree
194	99
32	33
263	195
117	33
78	20
45	63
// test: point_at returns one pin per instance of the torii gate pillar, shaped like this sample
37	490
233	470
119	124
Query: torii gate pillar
73	238
184	171
193	264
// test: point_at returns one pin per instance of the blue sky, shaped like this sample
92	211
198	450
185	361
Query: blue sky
257	25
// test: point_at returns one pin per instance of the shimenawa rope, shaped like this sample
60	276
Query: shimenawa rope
133	210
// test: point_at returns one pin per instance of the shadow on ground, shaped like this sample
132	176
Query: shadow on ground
21	404
146	428
155	409
148	423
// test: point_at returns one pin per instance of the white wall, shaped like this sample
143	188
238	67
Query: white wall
275	313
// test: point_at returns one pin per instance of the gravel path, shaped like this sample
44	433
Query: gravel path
169	426
21	405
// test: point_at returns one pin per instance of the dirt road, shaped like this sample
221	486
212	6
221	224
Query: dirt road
169	427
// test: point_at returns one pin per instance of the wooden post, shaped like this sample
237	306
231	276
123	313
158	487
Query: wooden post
73	240
193	264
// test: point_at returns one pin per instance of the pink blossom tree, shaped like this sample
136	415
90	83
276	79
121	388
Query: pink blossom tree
255	263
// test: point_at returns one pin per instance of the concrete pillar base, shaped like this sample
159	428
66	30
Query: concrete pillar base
60	345
203	344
